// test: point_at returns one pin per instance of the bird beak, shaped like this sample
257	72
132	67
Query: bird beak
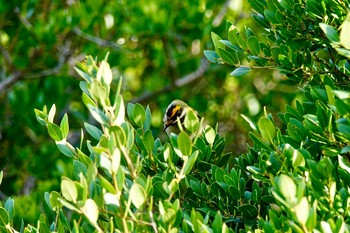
165	126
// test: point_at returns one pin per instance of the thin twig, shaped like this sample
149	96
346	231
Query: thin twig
16	76
96	40
189	78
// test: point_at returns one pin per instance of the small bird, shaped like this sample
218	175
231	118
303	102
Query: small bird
176	111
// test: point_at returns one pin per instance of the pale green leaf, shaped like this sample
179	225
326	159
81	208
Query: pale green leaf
184	143
302	210
287	187
119	111
90	210
137	195
104	73
68	189
267	129
64	125
54	131
345	33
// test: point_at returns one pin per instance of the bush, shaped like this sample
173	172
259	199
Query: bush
293	178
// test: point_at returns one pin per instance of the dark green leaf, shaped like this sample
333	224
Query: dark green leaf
248	211
253	45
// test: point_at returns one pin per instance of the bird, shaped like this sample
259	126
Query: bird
175	114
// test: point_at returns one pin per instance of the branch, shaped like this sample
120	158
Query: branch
96	40
183	81
220	16
17	75
189	78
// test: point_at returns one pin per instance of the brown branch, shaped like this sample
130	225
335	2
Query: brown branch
189	78
17	75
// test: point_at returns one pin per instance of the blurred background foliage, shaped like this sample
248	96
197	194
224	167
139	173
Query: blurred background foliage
157	46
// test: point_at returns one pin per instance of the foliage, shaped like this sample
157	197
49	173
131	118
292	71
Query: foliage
294	178
39	44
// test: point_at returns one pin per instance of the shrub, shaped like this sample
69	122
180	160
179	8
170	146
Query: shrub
294	178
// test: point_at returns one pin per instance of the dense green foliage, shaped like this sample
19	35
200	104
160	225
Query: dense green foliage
294	178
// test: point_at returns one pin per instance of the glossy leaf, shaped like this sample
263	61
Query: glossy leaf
267	129
240	71
93	131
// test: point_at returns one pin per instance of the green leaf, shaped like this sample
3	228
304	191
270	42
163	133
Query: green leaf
66	148
227	57
64	125
248	211
253	45
217	223
9	206
285	61
267	129
216	41
270	16
344	164
148	141
68	189
93	131
287	187
119	111
98	114
139	115
79	168
258	143
345	33
40	116
4	218
52	113
54	200
210	134
82	74
240	71
137	195
90	210
148	120
189	163
302	210
87	100
315	8
250	122
212	56
184	143
191	121
330	32
54	131
296	130
104	73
